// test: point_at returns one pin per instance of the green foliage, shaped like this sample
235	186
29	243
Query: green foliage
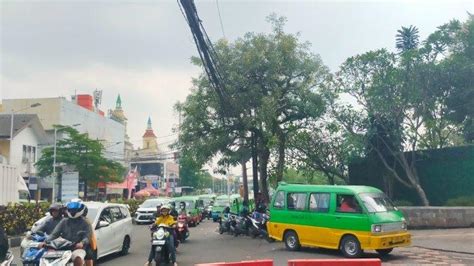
272	86
461	201
85	155
18	218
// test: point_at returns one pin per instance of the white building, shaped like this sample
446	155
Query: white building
28	135
59	111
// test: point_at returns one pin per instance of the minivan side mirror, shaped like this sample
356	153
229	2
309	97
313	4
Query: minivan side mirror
102	224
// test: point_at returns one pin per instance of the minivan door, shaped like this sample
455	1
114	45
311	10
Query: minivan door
349	217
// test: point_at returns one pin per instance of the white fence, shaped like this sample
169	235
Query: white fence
8	184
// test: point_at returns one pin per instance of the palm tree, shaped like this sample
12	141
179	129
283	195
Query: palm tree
407	38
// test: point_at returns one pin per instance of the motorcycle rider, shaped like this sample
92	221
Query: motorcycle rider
173	211
56	211
3	244
92	247
165	218
68	229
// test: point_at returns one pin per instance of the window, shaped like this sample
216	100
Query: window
296	201
29	154
347	203
106	216
116	214
319	202
279	200
125	212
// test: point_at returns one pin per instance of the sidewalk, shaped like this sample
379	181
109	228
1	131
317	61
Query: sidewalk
454	240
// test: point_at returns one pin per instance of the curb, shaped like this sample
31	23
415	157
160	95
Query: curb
15	241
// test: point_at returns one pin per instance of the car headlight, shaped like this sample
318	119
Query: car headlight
376	228
404	225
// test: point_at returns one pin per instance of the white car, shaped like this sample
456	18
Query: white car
113	227
112	224
147	210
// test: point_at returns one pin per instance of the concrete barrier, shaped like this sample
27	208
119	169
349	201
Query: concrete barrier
335	262
438	217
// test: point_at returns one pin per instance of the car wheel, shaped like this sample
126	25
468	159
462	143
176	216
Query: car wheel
125	246
291	241
384	252
350	247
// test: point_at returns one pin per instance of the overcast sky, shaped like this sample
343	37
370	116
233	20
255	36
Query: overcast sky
141	49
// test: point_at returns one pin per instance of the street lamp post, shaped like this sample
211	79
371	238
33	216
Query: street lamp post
53	195
11	127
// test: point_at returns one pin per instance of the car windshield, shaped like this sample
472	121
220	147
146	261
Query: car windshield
377	202
221	203
91	214
189	204
151	203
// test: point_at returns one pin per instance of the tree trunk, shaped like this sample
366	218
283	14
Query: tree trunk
422	195
255	166
244	181
264	157
281	156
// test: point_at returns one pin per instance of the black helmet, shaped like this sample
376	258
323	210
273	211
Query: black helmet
55	207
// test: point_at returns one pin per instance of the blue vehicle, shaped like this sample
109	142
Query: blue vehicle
32	253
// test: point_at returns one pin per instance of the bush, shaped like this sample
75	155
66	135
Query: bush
18	218
461	201
402	203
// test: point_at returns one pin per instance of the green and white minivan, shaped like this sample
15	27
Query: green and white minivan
349	218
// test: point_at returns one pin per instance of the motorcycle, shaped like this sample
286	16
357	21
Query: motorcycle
8	259
159	242
30	248
241	225
182	232
224	223
59	252
259	224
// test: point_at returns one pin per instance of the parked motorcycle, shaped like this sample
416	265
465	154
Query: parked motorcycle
224	223
59	252
241	226
259	224
159	242
8	259
31	252
182	231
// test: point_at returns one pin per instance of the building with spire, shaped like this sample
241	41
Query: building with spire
153	165
149	139
118	115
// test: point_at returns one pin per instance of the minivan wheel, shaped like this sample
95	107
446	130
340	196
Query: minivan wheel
125	246
350	247
384	252
291	241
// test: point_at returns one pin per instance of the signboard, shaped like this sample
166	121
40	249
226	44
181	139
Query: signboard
33	183
70	186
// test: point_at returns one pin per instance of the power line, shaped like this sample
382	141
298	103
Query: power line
220	19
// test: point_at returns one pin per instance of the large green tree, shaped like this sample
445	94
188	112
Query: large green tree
271	89
82	154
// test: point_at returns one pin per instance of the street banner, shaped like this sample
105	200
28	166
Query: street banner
70	186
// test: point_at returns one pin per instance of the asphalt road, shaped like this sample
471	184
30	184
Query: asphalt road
206	245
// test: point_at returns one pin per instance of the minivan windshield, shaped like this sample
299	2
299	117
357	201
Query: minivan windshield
221	203
376	202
